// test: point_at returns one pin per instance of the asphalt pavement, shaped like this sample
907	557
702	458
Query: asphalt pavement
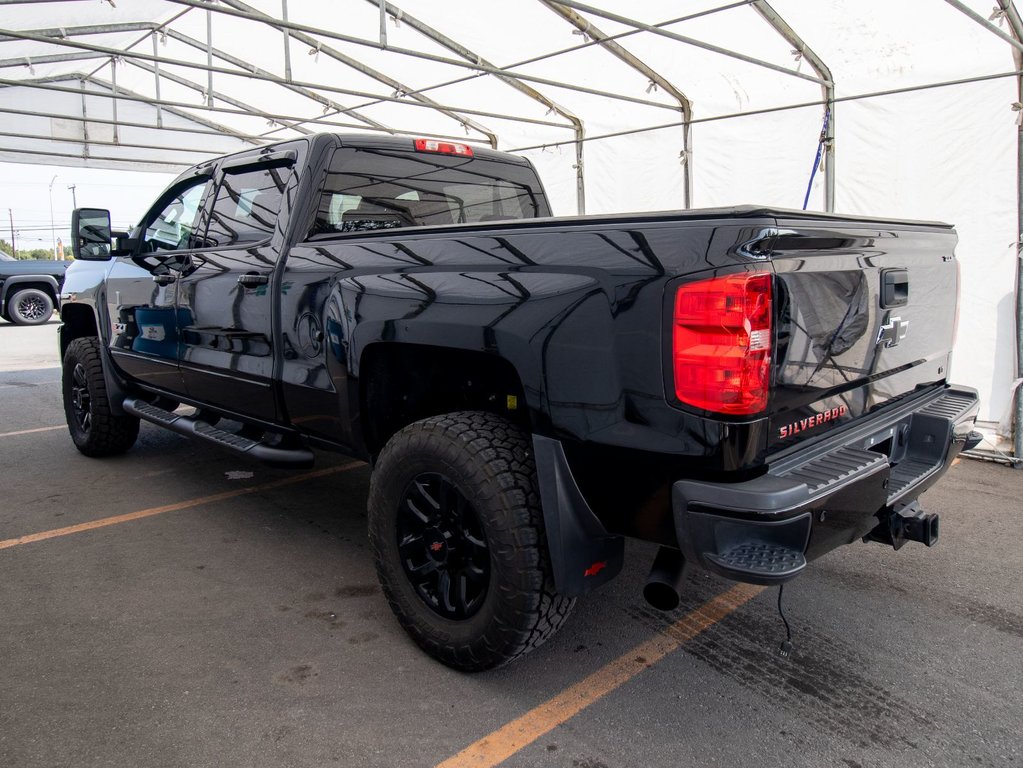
178	606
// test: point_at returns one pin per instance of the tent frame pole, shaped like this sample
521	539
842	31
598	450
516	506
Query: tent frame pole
772	17
654	30
1016	25
512	80
377	75
247	70
178	107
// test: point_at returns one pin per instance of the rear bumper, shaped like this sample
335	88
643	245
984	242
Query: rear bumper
765	530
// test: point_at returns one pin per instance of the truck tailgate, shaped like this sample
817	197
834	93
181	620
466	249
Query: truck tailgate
866	315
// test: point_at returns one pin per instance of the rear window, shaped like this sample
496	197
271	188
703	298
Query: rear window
368	189
247	205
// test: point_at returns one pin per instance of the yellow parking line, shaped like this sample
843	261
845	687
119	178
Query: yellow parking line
498	746
31	431
117	519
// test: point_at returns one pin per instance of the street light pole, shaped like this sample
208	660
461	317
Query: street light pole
14	247
53	230
74	200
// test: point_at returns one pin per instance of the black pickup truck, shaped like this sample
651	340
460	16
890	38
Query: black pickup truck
30	289
748	388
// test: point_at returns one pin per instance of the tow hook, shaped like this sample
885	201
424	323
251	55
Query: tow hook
907	522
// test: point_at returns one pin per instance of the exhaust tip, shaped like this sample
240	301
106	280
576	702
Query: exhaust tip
661	596
664	585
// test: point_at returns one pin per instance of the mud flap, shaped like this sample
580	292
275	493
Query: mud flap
583	554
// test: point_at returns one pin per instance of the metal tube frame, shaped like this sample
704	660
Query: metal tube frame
615	49
380	77
177	107
775	19
256	74
509	79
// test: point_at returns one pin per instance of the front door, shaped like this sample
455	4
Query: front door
142	289
226	301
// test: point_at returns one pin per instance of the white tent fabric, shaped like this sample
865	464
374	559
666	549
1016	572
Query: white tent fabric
946	153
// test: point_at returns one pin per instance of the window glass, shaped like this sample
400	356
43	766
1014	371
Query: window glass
369	189
246	207
171	229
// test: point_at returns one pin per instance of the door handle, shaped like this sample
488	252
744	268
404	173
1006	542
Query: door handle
166	279
252	279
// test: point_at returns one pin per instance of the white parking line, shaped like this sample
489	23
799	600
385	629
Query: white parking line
31	431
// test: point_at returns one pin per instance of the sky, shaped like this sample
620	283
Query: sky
25	195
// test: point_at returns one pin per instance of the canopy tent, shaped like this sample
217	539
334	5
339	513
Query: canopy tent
914	107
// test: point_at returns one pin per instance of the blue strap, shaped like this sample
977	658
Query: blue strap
820	150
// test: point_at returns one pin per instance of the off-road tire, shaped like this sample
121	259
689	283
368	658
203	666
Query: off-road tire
490	462
94	430
29	306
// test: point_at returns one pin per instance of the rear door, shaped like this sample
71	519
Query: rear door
142	288
226	302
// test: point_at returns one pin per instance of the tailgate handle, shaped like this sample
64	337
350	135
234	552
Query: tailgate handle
252	279
894	288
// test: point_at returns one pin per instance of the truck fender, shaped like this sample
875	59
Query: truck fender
583	554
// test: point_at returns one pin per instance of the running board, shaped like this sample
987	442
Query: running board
292	458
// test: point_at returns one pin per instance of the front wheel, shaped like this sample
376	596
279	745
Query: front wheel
94	429
457	533
30	306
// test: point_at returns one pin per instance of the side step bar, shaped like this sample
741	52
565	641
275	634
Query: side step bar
190	426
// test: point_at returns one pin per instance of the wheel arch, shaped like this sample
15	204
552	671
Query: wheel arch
78	320
401	383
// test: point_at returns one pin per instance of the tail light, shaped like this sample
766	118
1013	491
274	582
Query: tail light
721	343
443	147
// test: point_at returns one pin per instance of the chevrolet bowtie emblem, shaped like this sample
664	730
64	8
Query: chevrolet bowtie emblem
892	332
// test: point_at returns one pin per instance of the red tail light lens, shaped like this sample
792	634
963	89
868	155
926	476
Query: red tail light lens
443	147
721	343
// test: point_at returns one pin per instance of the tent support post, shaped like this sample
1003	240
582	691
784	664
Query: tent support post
1017	428
1016	25
287	41
685	106
85	122
782	27
156	83
113	101
209	59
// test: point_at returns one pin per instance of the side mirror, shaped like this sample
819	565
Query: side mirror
90	234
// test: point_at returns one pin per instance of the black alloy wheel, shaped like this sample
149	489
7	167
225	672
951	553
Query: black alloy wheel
458	537
30	306
81	400
443	547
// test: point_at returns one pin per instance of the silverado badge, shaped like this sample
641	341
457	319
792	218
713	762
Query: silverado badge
832	414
